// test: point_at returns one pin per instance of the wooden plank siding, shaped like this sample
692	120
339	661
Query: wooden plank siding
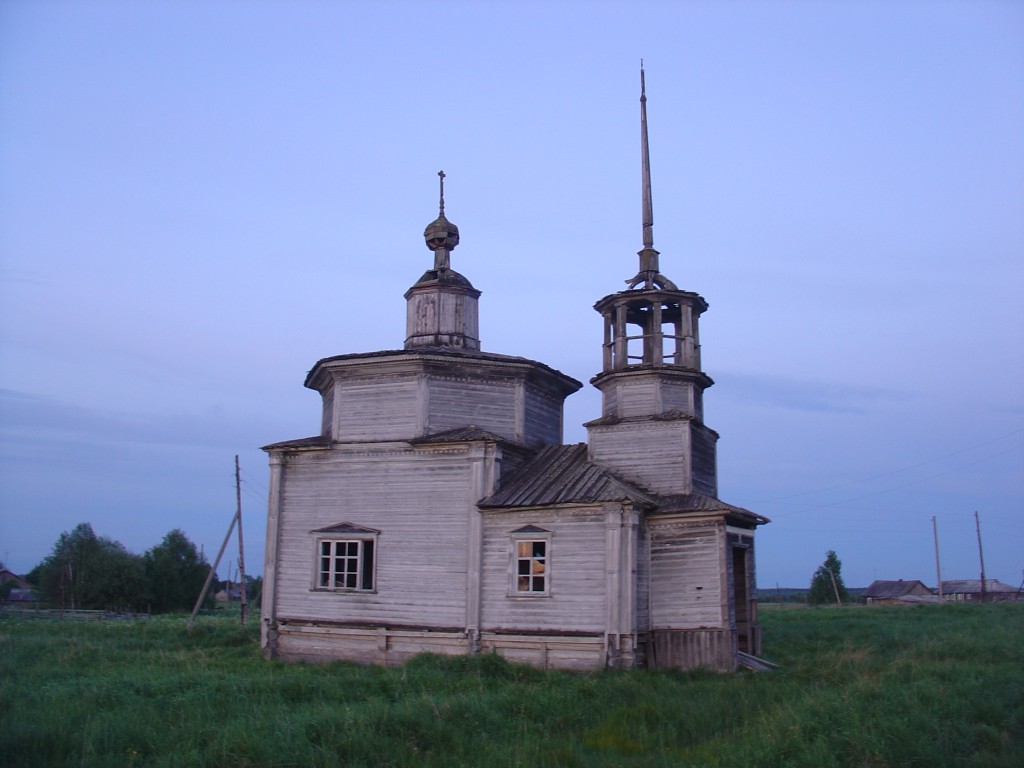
322	641
625	449
577	572
588	618
376	409
327	420
703	457
553	651
677	396
639	396
457	401
686	576
691	614
419	500
542	417
643	579
713	649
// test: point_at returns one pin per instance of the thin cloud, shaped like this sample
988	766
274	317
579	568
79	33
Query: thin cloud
805	394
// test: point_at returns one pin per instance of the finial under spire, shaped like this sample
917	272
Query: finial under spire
441	235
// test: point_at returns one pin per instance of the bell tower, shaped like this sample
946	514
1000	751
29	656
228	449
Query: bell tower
651	429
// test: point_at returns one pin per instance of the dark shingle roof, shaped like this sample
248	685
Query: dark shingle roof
882	589
698	502
561	474
461	435
974	585
320	441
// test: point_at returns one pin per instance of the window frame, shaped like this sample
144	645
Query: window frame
361	552
529	534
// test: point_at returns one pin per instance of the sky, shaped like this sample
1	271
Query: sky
198	201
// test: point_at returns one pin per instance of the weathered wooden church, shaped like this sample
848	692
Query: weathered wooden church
438	510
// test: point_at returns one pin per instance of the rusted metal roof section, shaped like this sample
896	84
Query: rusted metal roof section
561	474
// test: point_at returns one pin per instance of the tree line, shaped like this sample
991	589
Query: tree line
86	571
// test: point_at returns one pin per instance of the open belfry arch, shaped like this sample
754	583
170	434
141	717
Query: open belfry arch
438	510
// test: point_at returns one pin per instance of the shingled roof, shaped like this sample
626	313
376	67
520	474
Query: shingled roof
303	443
881	589
468	434
561	474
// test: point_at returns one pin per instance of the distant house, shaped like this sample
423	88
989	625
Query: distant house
7	576
23	595
969	591
223	596
17	589
898	592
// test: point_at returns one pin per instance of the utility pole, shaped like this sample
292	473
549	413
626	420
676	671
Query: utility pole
981	555
236	518
938	570
835	587
241	547
213	571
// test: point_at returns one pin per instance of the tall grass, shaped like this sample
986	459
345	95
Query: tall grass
924	686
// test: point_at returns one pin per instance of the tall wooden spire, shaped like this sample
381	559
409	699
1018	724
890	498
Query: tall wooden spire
645	170
649	275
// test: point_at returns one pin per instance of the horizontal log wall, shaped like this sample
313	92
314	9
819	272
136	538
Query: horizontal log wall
704	452
376	409
548	651
367	645
543	418
457	402
577	572
627	450
677	395
686	577
327	420
639	396
419	500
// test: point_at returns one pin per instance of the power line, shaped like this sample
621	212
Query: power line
905	469
814	507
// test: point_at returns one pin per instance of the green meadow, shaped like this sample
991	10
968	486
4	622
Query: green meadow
920	686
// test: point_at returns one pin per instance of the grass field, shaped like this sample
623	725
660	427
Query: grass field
922	686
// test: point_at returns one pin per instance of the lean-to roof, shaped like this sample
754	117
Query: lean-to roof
561	474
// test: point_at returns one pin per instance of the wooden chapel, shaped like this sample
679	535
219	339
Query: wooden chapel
438	511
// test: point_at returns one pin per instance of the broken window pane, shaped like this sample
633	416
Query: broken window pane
531	566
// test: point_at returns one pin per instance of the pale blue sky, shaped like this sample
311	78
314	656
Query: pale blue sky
200	200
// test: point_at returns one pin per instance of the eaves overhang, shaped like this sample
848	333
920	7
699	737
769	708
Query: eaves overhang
530	370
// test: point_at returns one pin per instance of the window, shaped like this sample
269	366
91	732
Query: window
531	566
346	558
531	552
346	564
